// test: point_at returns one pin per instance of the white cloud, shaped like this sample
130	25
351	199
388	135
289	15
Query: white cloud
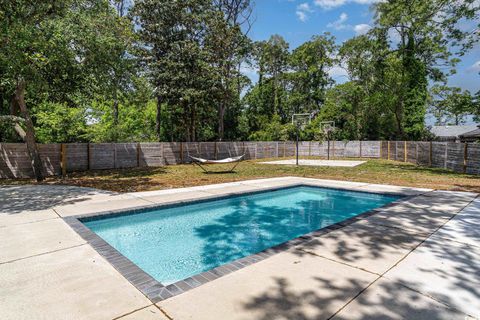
361	28
337	72
248	70
304	7
302	11
475	67
329	4
339	24
302	16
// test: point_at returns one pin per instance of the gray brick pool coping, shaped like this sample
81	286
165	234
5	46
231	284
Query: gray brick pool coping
156	291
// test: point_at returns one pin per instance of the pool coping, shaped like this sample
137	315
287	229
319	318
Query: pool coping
156	291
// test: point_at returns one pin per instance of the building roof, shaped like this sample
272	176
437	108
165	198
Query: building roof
471	134
452	131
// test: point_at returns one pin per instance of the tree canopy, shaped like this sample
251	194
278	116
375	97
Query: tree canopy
146	70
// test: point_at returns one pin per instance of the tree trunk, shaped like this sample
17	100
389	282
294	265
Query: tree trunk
30	131
275	95
158	118
221	127
115	109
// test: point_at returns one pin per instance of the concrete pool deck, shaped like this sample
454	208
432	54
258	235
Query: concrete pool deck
418	259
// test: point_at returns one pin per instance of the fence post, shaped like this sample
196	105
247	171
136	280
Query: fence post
276	150
333	149
430	154
284	148
63	153
360	148
138	154
114	155
89	156
446	155
309	148
396	150
405	151
181	152
163	153
416	152
465	157
388	150
216	151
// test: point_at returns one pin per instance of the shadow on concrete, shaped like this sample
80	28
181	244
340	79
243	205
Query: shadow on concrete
18	198
282	301
383	300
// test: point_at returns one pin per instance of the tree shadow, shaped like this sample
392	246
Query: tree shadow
447	270
19	198
283	301
253	226
382	300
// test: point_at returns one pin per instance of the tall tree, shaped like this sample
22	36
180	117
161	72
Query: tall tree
229	46
53	50
309	77
273	63
23	54
424	32
173	35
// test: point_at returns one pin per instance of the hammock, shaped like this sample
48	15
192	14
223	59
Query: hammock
200	161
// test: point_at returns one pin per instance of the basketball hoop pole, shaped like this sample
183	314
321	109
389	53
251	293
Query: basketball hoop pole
296	145
327	127
328	150
297	129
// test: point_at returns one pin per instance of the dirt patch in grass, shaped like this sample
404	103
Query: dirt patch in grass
176	176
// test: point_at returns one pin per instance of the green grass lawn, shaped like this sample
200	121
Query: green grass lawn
175	176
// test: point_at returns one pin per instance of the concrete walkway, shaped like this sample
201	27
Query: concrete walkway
415	260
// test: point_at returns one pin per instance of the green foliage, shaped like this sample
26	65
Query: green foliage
56	122
99	70
273	130
451	105
427	35
310	79
134	123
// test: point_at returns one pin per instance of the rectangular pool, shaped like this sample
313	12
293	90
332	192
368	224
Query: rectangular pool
174	243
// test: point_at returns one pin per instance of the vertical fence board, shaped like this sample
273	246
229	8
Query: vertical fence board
473	158
151	154
14	161
125	155
51	158
102	156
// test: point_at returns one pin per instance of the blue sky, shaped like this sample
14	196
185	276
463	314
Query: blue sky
297	21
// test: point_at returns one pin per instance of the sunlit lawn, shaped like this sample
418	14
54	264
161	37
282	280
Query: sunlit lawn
175	176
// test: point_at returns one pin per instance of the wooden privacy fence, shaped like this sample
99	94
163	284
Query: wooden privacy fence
459	157
58	159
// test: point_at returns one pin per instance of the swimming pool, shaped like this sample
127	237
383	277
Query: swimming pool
174	243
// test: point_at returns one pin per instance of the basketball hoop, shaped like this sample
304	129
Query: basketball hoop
300	120
327	127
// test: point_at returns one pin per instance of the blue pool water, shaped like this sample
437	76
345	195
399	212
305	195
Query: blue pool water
174	243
